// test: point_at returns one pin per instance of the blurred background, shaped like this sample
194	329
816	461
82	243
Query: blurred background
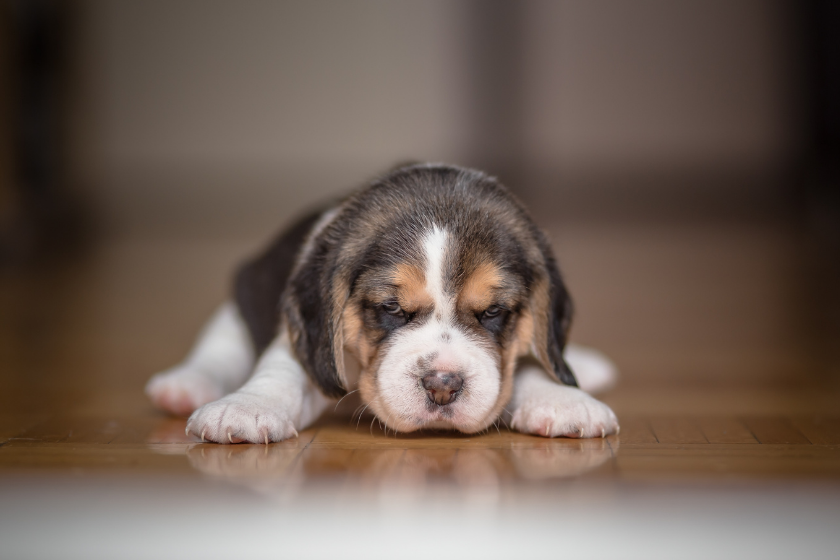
683	156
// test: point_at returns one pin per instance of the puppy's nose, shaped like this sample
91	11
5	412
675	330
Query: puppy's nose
442	387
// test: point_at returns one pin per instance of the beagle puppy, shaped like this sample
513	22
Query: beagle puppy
431	292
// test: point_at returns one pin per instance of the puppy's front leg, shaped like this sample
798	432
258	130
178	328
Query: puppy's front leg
273	405
546	408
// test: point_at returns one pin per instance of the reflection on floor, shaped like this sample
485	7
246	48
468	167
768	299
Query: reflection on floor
730	426
342	450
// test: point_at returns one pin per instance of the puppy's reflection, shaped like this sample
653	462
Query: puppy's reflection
242	461
283	471
561	458
409	465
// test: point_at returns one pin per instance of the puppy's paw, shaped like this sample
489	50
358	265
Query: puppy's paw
239	417
181	390
564	411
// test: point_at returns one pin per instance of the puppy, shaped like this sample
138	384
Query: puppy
431	292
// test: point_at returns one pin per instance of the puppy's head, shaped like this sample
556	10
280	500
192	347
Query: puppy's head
435	280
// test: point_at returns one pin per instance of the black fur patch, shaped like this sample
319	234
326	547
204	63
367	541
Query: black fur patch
561	319
259	283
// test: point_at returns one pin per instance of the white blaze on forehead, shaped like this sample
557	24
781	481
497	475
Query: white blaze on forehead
438	345
434	245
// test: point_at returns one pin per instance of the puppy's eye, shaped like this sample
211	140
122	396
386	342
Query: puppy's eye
392	308
494	318
492	311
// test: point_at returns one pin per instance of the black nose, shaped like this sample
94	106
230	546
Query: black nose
442	387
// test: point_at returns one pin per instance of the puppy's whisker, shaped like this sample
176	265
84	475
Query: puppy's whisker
502	418
359	411
342	398
364	408
386	426
362	413
357	414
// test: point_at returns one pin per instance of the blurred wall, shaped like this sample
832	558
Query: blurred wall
7	193
651	83
219	117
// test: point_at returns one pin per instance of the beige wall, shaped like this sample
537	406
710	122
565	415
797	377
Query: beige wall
202	112
273	83
656	82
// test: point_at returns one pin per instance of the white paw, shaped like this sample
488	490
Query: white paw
239	417
182	390
564	411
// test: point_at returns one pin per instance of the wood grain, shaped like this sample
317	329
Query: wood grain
677	429
79	339
636	430
818	429
774	429
722	429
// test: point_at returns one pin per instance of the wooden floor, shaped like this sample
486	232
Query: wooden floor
721	390
650	448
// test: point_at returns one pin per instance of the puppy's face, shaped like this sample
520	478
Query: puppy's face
436	282
437	333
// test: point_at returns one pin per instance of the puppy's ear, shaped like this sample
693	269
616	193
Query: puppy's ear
552	311
312	315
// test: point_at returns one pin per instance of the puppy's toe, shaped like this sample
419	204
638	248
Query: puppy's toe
181	390
241	418
568	412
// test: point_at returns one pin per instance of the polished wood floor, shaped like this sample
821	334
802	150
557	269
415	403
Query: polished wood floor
676	447
699	397
728	404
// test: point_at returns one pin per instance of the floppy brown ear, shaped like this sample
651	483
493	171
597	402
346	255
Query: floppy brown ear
313	317
552	312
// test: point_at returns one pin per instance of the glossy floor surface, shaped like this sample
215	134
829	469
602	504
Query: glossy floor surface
728	403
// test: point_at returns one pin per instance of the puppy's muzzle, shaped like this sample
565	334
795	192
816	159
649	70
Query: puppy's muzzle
442	387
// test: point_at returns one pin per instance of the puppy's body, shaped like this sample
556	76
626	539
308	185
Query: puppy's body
433	284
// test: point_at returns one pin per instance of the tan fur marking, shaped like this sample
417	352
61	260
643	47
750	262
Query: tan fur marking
368	389
507	368
339	296
355	338
524	334
478	291
540	308
412	293
352	330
